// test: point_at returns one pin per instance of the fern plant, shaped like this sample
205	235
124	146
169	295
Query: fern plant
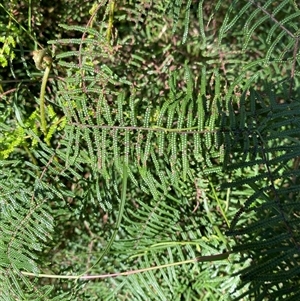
180	123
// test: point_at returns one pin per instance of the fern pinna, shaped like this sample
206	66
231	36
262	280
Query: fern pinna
269	240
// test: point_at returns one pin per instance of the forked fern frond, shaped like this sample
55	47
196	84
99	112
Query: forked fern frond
270	239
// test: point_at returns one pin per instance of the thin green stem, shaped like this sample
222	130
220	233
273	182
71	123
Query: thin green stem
219	203
33	159
211	258
110	20
29	15
209	215
42	100
22	27
118	223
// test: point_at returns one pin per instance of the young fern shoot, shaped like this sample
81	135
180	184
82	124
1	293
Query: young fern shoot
43	61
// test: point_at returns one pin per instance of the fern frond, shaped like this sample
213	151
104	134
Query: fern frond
275	223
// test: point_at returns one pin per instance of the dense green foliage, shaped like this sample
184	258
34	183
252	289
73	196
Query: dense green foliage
160	158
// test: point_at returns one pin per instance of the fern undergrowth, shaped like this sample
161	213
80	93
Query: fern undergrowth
169	169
